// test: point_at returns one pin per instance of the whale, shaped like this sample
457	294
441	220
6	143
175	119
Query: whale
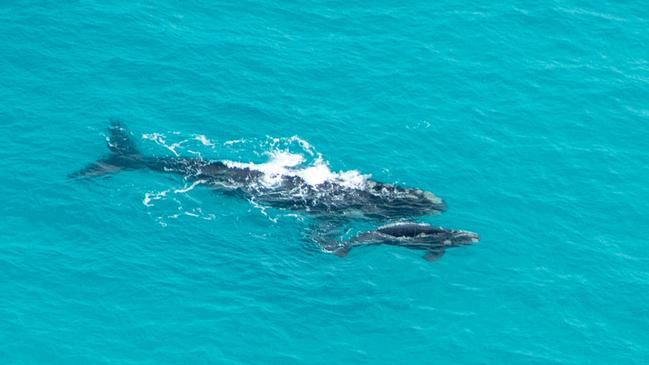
418	236
327	201
370	199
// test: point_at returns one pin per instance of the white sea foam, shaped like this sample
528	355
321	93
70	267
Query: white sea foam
204	140
262	209
160	139
283	163
294	156
304	144
190	187
234	141
149	197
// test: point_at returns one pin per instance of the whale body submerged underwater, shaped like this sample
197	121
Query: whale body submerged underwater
332	202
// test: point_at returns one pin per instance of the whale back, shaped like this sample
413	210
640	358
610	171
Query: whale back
409	229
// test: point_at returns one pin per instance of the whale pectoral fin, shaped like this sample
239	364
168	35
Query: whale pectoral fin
124	154
343	250
337	248
326	232
433	255
328	227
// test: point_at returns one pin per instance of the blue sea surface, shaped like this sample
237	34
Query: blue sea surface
530	119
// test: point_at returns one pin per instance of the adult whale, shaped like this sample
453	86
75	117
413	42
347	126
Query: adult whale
330	200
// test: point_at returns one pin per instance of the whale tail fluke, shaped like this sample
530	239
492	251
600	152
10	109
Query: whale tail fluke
119	140
124	153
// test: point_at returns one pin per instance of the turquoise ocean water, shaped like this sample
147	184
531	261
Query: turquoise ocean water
530	119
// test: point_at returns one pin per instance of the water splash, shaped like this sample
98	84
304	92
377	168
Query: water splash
294	156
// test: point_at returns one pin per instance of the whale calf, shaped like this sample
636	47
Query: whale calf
418	236
330	200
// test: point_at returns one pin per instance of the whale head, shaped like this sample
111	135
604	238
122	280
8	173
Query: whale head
393	201
453	237
433	202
